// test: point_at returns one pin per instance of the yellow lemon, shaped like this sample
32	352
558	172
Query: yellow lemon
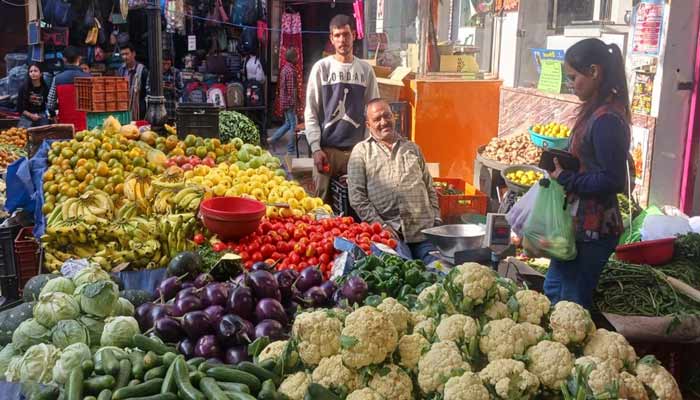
308	203
294	203
299	193
258	194
219	190
189	174
318	202
297	213
230	193
271	212
288	194
286	212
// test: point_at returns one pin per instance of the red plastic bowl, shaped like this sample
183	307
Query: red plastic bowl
650	252
231	218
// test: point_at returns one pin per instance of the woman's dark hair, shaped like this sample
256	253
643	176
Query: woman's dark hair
612	86
28	82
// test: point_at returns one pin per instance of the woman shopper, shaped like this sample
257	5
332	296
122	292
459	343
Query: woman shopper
32	98
601	141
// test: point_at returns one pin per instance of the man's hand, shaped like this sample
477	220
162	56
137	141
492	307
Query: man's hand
321	162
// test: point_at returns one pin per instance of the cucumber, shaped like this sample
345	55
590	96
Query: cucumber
137	367
147	344
110	364
239	396
259	372
318	392
124	374
232	375
157	372
211	389
89	398
152	360
233	387
105	395
134	382
196	361
169	385
270	364
206	366
96	384
166	396
168	358
45	392
74	387
143	389
195	377
268	391
88	366
182	380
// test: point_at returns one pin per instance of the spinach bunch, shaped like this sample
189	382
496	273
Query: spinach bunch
233	124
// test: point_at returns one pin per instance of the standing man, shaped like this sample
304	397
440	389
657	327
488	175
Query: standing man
62	93
389	183
338	90
173	86
137	74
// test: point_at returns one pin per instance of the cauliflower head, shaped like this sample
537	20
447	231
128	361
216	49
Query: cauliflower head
332	373
318	335
570	323
503	338
440	362
658	379
275	349
294	386
603	376
474	280
497	310
368	337
465	387
434	301
631	388
532	306
364	394
610	346
510	379
399	315
530	334
457	328
425	328
392	383
551	362
411	348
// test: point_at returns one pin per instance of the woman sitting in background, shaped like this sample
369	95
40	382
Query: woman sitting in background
31	101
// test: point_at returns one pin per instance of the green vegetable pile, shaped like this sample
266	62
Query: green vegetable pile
233	124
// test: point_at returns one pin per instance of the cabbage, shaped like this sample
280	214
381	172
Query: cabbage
98	298
71	357
90	274
119	353
94	328
38	362
29	333
59	284
119	332
12	373
123	308
69	331
6	355
54	307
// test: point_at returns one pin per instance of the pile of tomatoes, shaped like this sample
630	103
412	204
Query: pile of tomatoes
299	242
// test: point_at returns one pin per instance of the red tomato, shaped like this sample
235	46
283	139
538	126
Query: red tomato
294	258
277	256
385	235
376	238
219	247
376	227
392	243
328	248
365	240
303	265
336	232
199	238
348	220
267	250
257	256
282	247
244	255
248	264
313	261
265	227
324	258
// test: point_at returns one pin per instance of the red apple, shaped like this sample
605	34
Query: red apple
187	167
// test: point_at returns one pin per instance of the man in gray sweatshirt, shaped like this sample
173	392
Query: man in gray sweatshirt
337	93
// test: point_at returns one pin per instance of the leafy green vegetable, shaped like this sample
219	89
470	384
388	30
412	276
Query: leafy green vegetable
29	333
59	284
90	274
54	307
68	332
98	298
233	124
71	357
119	332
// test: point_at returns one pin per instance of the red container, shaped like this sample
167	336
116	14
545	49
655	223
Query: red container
455	205
26	255
231	218
650	252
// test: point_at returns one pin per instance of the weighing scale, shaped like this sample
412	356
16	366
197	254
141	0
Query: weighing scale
497	244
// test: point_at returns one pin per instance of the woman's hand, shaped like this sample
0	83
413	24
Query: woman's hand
557	169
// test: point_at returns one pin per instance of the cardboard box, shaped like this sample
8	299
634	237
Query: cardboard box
390	88
459	63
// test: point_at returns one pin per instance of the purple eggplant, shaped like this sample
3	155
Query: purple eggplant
196	324
187	285
236	354
329	287
233	330
338	297
203	280
184	305
285	282
169	287
241	302
186	347
207	347
188	291
308	278
157	312
264	285
142	313
291	309
315	297
214	313
215	294
239	280
168	329
262	266
270	309
270	328
355	290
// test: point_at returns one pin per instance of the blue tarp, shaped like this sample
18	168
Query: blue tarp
11	391
147	279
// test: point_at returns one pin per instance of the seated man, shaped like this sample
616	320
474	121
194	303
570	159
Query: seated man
389	183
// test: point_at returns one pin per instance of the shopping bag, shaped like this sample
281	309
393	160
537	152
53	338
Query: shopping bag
521	210
549	229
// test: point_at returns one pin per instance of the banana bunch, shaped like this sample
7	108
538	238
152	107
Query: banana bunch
174	231
128	210
163	202
93	207
188	199
71	230
170	129
137	188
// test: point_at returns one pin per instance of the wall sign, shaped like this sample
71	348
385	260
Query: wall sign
648	24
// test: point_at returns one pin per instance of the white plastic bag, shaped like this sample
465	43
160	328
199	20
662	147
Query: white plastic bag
518	214
695	224
663	227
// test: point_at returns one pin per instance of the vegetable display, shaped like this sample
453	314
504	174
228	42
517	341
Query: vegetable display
512	150
234	125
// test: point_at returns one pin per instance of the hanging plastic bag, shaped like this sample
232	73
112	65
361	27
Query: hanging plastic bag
549	229
519	213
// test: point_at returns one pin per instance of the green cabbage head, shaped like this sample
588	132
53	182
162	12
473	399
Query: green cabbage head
97	298
71	357
69	331
94	327
90	274
38	362
59	284
12	373
119	332
29	333
54	307
6	355
123	308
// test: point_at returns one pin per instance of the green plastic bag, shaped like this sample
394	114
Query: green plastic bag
549	230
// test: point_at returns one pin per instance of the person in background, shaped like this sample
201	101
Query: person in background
85	67
137	74
601	141
288	101
338	90
32	100
62	97
389	183
173	85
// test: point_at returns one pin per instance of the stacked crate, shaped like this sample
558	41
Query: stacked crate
102	94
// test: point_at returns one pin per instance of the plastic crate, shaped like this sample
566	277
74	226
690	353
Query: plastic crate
37	135
26	255
197	119
456	205
95	119
341	198
441	184
8	263
102	94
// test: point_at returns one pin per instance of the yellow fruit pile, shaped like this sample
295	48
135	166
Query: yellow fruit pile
552	129
261	184
524	178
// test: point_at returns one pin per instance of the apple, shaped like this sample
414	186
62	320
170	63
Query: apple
187	167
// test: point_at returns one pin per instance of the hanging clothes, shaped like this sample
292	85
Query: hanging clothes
291	38
359	14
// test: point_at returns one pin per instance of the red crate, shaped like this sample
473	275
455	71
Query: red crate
441	184
26	255
101	94
455	205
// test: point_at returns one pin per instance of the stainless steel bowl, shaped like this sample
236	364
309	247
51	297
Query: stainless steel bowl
450	239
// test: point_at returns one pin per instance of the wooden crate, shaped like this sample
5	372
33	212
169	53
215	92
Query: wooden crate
102	94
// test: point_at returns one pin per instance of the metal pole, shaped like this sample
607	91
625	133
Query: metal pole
155	109
423	36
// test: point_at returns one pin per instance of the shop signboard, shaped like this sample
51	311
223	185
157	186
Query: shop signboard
648	24
551	76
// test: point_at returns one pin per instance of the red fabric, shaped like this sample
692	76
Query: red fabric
291	37
67	113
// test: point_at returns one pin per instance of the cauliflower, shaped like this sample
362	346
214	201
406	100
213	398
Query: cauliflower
509	379
602	378
332	373
439	363
658	379
474	280
631	388
570	323
368	337
457	328
318	335
294	386
364	394
275	350
425	328
503	338
392	383
532	306
399	315
551	362
434	301
465	387
411	348
504	292
610	346
497	310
